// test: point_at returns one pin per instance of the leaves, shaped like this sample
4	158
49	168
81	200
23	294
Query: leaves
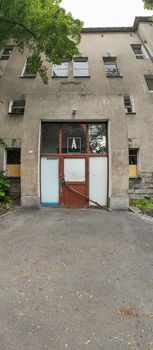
2	143
4	187
148	4
43	27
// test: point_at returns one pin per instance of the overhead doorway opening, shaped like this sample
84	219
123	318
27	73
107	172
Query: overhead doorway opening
74	164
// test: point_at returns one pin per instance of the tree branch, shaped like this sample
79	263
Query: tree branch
2	19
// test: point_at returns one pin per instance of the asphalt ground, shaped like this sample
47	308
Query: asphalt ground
76	279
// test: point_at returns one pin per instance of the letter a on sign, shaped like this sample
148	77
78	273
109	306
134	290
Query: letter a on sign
74	144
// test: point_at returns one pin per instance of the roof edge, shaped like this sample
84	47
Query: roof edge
117	29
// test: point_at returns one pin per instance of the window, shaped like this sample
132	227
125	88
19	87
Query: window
133	162
50	138
149	81
13	162
17	107
111	67
139	51
129	104
97	138
81	67
28	71
148	49
73	138
60	70
6	52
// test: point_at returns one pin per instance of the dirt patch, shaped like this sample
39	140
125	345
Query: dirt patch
126	311
5	208
147	211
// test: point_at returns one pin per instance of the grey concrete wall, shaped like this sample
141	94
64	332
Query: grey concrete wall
95	98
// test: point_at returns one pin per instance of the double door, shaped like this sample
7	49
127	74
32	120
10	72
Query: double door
73	182
76	178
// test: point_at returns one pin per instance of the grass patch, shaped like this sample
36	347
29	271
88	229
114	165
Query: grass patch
142	203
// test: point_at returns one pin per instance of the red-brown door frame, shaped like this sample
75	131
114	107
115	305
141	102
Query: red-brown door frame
62	156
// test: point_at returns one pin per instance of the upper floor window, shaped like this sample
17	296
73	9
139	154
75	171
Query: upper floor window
111	66
17	107
6	52
80	67
149	81
98	138
28	71
148	49
60	70
129	104
139	51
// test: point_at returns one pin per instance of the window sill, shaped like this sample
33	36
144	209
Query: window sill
28	76
15	114
130	113
114	76
135	177
61	77
81	76
4	58
13	177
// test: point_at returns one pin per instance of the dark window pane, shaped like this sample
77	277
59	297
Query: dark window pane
50	138
133	156
20	103
97	138
13	156
128	104
137	49
17	107
74	138
6	53
149	82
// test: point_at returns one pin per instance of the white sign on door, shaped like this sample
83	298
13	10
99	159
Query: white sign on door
73	144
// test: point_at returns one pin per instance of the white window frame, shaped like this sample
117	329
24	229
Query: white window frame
143	55
131	105
148	49
111	60
59	67
83	69
149	77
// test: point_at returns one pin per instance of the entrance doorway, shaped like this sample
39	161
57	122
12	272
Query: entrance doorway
74	164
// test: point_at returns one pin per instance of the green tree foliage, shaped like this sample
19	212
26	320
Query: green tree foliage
148	4
4	188
2	143
43	27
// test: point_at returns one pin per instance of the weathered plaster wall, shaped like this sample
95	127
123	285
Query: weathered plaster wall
95	98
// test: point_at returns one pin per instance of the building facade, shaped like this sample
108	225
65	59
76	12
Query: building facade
86	138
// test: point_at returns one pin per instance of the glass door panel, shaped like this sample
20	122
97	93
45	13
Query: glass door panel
49	181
